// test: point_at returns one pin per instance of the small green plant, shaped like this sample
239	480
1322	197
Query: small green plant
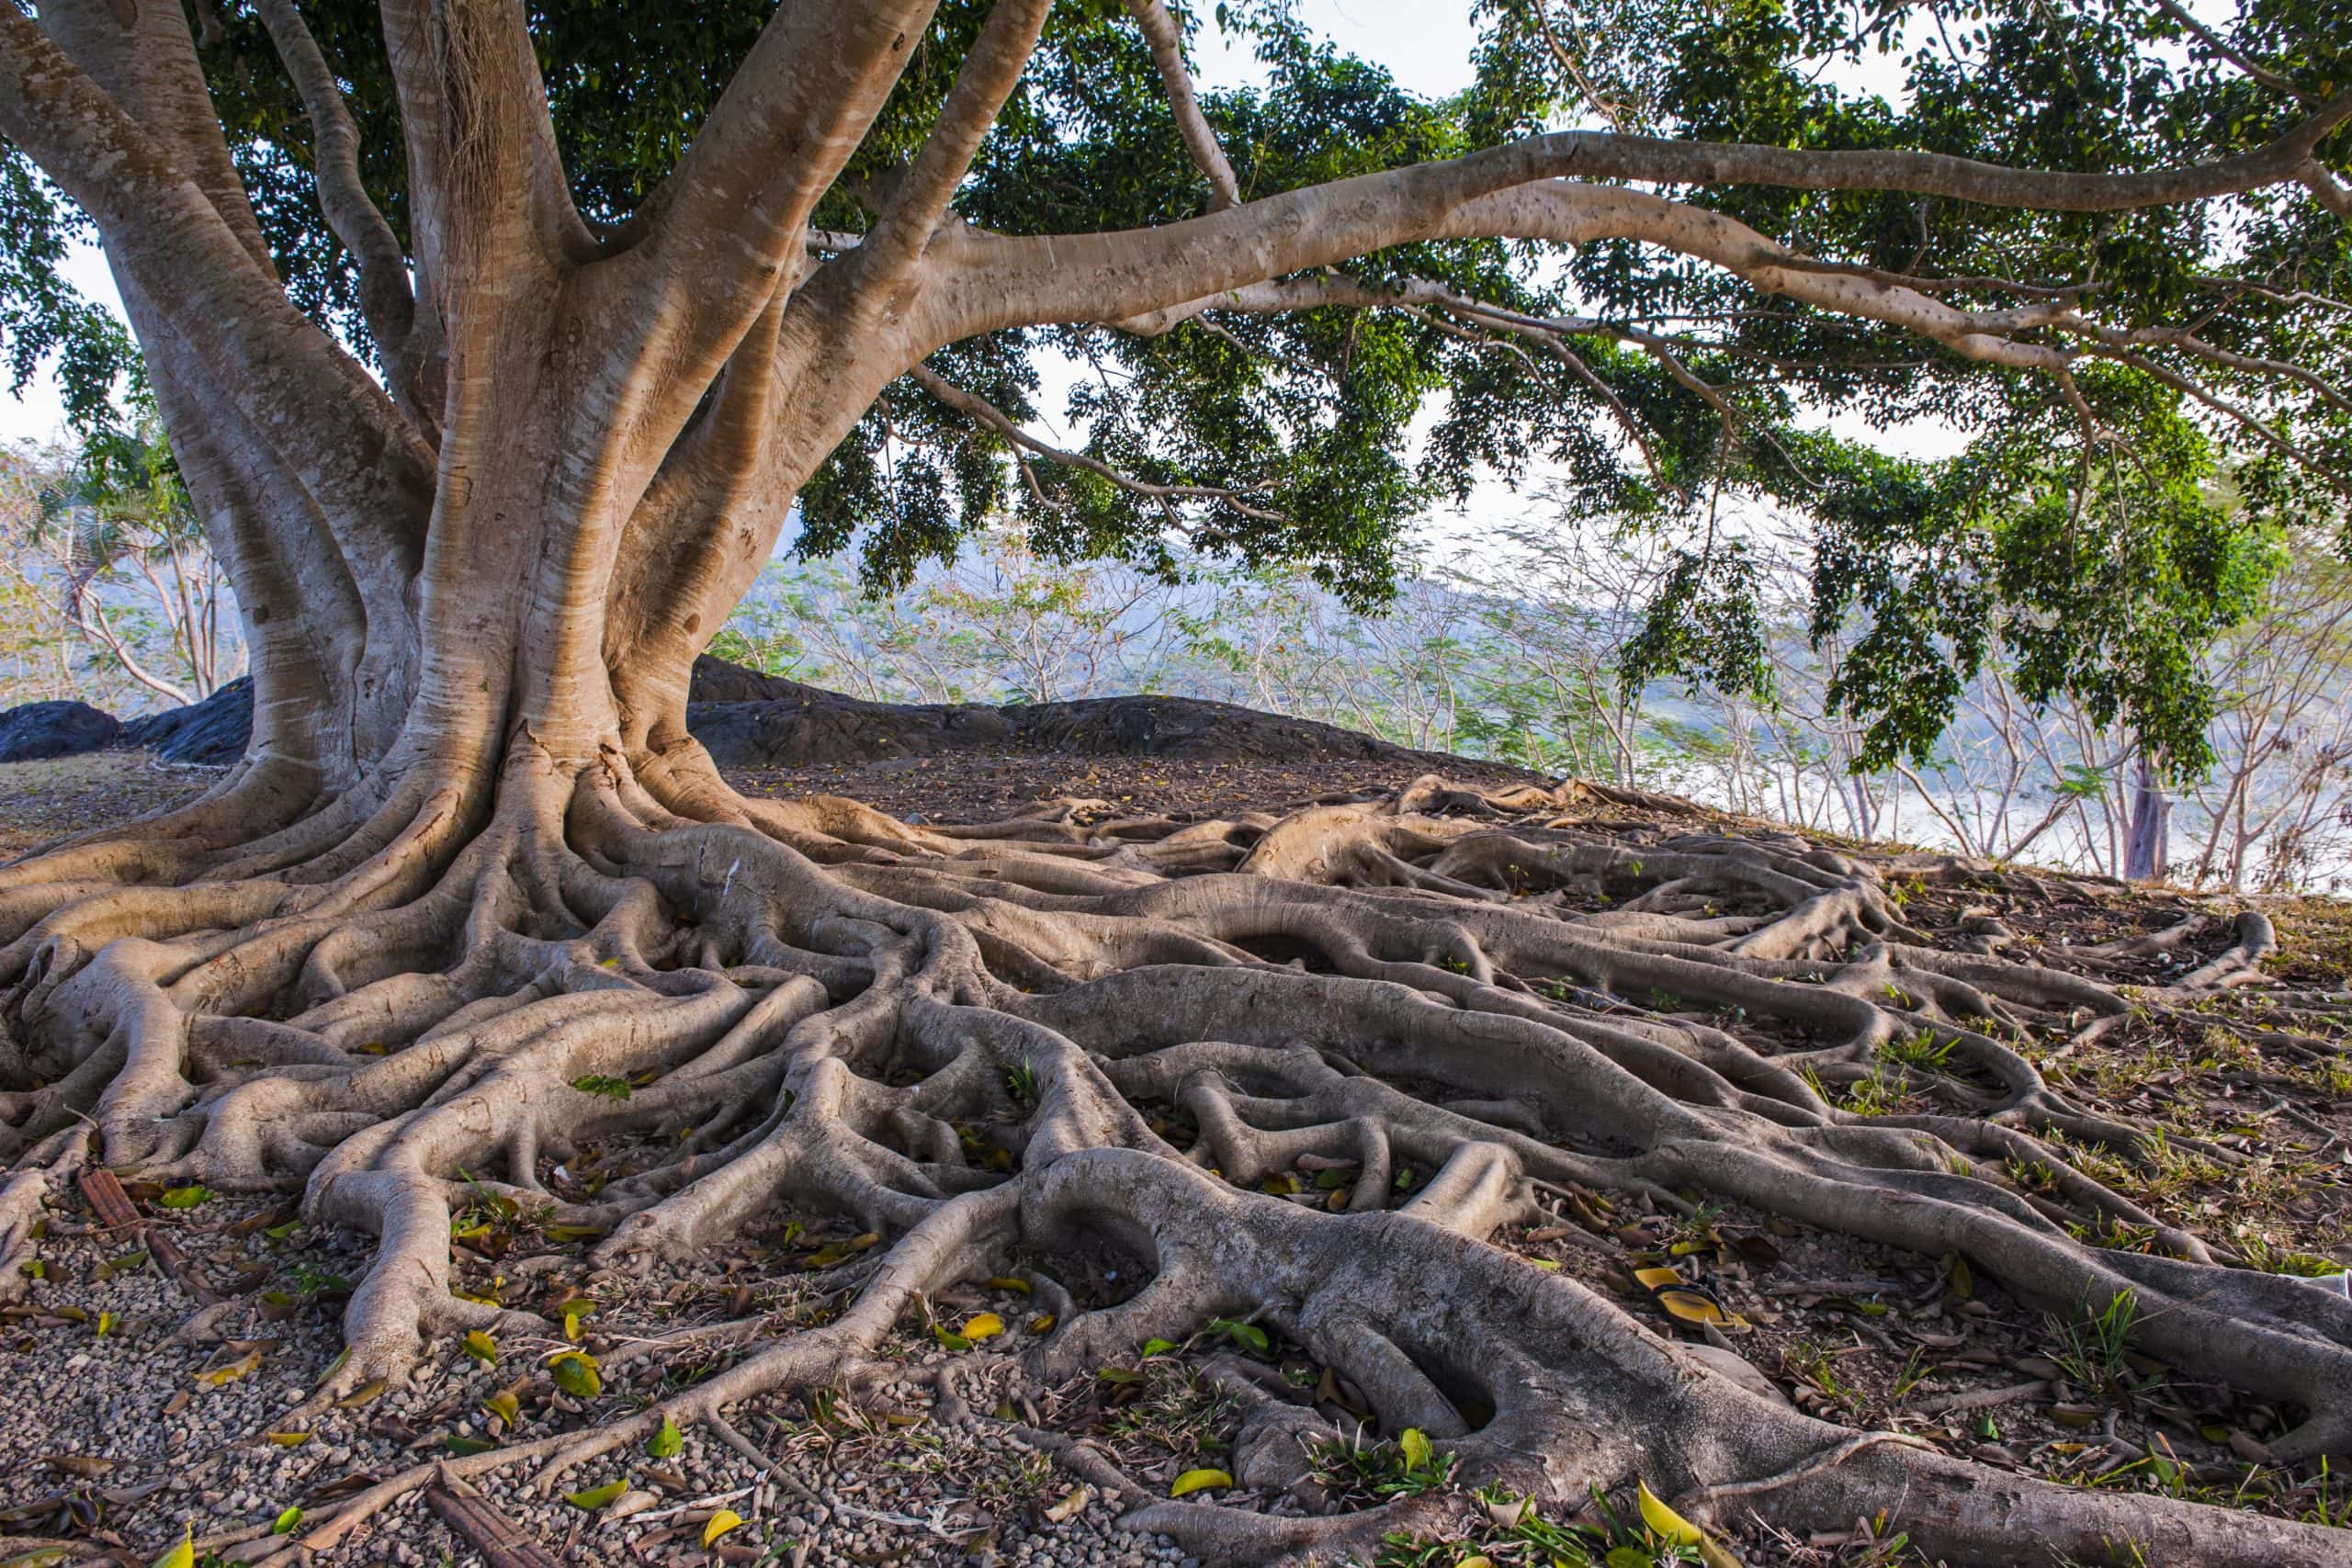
1812	1364
1248	1336
602	1085
1354	1470
2331	1499
1178	1410
1876	1095
1921	1050
2091	1349
2032	1175
2120	1235
1021	1082
1915	1371
2260	1254
310	1280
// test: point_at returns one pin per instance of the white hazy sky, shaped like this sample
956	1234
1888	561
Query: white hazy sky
1424	44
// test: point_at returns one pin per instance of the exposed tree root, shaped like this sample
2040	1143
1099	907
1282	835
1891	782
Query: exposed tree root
984	1042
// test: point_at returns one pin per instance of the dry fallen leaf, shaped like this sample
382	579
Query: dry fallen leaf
230	1371
1669	1524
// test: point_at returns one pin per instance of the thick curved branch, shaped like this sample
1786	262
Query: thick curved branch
687	278
1575	214
691	547
737	204
486	185
1166	43
1008	281
162	232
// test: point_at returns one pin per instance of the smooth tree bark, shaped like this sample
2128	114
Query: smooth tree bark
473	854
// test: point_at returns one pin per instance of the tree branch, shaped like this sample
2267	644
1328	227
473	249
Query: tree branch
1159	30
1576	72
486	187
787	124
90	616
2223	405
385	297
170	242
2229	52
1016	281
691	272
989	414
919	200
2327	187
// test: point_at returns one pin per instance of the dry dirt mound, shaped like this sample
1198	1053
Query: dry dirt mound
747	720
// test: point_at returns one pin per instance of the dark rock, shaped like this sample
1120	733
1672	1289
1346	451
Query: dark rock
213	733
63	728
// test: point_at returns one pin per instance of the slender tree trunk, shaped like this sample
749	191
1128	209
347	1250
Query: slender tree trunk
2149	837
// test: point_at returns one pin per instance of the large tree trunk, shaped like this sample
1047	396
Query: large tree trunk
473	858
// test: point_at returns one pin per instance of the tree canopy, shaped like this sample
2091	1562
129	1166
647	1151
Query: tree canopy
631	287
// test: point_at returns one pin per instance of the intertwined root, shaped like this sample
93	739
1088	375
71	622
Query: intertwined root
981	1041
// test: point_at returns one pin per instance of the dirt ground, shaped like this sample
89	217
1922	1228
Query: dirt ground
129	1412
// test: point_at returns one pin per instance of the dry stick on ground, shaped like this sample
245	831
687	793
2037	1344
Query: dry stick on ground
1061	985
484	1528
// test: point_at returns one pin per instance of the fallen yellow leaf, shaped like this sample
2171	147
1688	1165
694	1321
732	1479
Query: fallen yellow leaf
231	1372
1199	1480
181	1556
1669	1524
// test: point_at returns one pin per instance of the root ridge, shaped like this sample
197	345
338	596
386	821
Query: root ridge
1470	1011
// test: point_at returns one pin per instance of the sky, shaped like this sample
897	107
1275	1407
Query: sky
1425	44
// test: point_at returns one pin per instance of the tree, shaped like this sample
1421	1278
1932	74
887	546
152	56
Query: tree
119	512
492	437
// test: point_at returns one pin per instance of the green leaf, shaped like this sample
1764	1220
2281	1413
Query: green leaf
665	1442
288	1522
575	1372
596	1497
1247	1334
185	1197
